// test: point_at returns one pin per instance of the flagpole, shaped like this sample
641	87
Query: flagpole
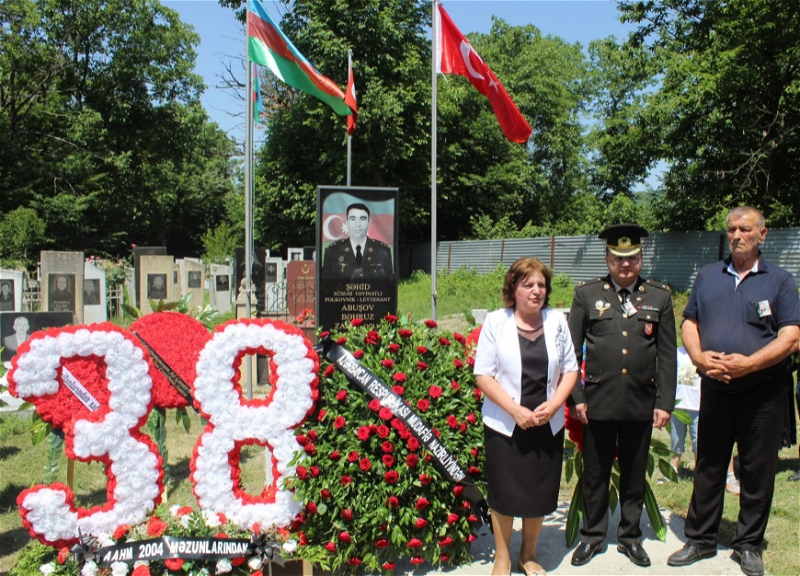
248	191
349	137
433	162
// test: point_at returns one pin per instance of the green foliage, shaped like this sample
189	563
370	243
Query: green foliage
22	233
32	557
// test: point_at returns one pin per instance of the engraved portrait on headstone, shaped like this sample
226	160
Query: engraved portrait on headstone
91	291
156	286
223	283
16	328
61	297
7	295
271	272
194	279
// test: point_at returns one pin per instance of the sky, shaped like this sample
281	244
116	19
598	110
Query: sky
222	37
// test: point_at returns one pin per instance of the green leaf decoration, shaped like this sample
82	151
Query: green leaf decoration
574	515
653	513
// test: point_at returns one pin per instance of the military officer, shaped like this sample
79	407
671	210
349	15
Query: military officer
628	324
358	257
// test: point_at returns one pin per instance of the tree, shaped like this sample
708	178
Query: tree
101	129
728	106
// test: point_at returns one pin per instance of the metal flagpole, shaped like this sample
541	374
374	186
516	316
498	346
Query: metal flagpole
248	192
349	137
433	159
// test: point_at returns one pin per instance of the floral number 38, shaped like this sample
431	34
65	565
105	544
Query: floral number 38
102	415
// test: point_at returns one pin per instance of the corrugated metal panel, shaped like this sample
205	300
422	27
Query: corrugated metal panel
675	257
782	247
580	257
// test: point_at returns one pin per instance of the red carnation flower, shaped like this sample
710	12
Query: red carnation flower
302	538
422	366
365	464
311	507
174	564
452	517
324	334
310	449
238	561
358	354
474	470
325	493
412	460
314	471
339	422
414	543
436	432
421	503
471	361
387	446
374	404
435	391
330	547
458	363
399	377
452	421
413	444
346	480
394	348
405	333
372	338
459	338
471	418
341	341
392	502
444	341
390	318
431	323
420	523
385	414
388	566
347	514
422	350
382	543
156	527
397	389
335	455
345	537
446	541
121	531
63	555
417	560
302	440
329	370
363	433
321	415
474	452
423	404
184	510
141	570
383	431
387	363
444	557
352	456
356	322
455	386
472	518
471	538
458	490
341	395
391	476
388	460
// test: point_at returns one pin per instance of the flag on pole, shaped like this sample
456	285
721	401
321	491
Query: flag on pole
271	48
455	55
258	104
350	97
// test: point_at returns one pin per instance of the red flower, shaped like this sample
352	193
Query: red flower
330	547
385	414
387	363
435	391
347	514
452	517
425	478
310	449
474	452
444	341
141	570
399	377
354	561
413	444
184	510
472	518
341	341
302	539
422	366
365	464
311	507
412	460
422	350
372	338
174	564
459	338
324	334
358	354
458	490
121	531
382	543
321	415
388	566
478	393
325	493
471	538
455	386
383	431
237	561
421	503
444	557
345	537
346	480
423	404
156	527
452	421
314	470
388	460
405	333
302	440
417	560
390	318
414	543
387	446
363	433
471	418
374	404
356	322
436	432
420	523
335	455
329	370
63	555
352	456
391	476
394	348
397	389
392	502
339	422
471	361
341	395
446	541
474	470
431	323
458	363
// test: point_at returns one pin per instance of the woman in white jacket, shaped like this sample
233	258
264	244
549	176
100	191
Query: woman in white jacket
525	365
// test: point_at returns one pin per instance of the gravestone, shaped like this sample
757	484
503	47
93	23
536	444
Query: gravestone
138	252
221	287
256	272
154	280
177	285
301	278
275	286
130	285
17	327
94	294
193	281
62	282
11	287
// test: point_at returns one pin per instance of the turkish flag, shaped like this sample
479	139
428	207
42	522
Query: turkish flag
455	55
350	98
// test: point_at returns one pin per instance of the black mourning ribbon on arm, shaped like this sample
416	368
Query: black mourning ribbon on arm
373	386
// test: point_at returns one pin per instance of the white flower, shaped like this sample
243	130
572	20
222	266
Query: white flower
211	519
224	566
290	546
119	569
141	563
174	509
89	569
47	569
255	563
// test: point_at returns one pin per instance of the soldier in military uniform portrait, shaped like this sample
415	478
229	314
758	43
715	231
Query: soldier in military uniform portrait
358	257
628	325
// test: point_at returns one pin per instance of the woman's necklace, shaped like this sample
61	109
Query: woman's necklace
527	330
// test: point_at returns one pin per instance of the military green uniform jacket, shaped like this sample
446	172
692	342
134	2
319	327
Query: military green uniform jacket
631	359
340	262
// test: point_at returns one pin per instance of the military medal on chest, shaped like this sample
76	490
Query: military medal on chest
601	307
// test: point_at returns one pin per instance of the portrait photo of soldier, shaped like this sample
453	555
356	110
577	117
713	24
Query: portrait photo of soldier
61	296
358	257
6	296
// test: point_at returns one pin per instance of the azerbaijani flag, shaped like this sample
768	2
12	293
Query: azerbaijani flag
269	47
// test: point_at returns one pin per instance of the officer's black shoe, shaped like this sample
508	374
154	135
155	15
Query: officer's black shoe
750	562
794	477
584	552
635	552
690	554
